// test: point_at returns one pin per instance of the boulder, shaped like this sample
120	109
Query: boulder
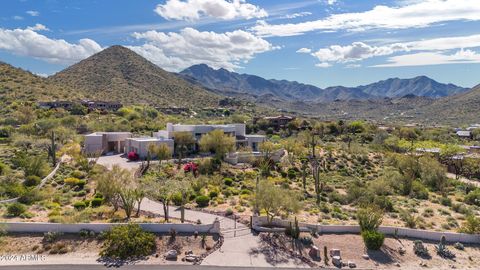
314	253
337	261
352	264
171	255
366	257
192	258
335	252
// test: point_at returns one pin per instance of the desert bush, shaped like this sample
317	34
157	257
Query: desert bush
373	240
369	217
229	212
213	194
471	225
96	202
32	180
80	205
128	241
419	191
71	181
30	196
473	197
202	201
16	209
51	237
228	181
420	250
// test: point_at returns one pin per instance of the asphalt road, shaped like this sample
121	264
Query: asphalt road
135	267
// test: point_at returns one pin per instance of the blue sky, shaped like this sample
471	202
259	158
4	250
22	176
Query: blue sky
321	42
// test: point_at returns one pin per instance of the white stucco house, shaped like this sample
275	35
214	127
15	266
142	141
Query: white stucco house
197	131
121	142
125	142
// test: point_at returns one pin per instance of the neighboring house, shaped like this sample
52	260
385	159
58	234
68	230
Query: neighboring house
276	122
465	134
101	105
67	105
89	104
197	131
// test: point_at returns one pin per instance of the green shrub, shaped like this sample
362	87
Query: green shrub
212	194
202	201
51	237
177	199
78	174
373	240
229	212
446	201
79	205
473	197
128	241
228	181
16	209
419	191
71	181
96	202
29	196
291	173
32	180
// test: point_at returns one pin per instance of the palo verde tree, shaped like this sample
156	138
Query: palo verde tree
161	188
354	128
183	140
274	200
160	151
217	142
120	188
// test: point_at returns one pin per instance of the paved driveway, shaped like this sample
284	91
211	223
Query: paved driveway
240	247
110	160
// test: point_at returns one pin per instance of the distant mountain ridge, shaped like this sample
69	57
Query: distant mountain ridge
119	74
232	83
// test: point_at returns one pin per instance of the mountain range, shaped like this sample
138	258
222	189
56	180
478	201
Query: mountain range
230	83
119	74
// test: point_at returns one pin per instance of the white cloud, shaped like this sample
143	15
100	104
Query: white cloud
355	52
414	15
33	13
304	50
27	42
176	51
331	2
17	18
298	15
38	27
359	51
323	65
191	10
432	58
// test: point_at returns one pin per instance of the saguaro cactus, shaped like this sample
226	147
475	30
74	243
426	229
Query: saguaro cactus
52	149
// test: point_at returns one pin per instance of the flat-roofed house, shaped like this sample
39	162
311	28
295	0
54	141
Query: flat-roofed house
106	142
122	142
141	145
197	131
466	134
